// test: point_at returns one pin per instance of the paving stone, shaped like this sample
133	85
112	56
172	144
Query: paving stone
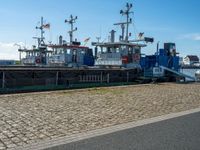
2	148
30	118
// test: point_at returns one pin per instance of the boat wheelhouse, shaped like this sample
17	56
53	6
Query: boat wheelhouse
70	56
124	53
35	56
38	54
121	54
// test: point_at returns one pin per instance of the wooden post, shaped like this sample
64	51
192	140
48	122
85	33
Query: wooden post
3	80
101	77
20	57
57	73
108	78
95	76
127	77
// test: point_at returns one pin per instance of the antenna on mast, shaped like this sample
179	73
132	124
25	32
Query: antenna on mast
98	39
71	22
41	28
127	13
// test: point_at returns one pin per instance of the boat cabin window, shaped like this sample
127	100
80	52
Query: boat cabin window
117	50
103	49
60	51
28	54
35	53
137	50
123	47
74	51
55	51
68	51
130	50
109	50
82	51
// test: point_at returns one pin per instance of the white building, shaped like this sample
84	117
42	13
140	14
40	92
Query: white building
191	60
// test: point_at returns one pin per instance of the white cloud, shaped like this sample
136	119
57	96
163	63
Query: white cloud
191	36
9	50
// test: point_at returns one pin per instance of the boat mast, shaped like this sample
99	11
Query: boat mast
127	13
41	28
71	22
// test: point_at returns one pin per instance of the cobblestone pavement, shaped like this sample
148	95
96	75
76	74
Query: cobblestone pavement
30	118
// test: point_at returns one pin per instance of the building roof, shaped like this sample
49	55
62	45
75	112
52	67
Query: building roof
193	58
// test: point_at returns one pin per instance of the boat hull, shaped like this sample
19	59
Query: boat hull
34	78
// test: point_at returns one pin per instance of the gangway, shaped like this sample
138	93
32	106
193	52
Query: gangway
178	73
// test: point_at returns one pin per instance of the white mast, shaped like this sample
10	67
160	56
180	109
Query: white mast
127	13
41	38
71	22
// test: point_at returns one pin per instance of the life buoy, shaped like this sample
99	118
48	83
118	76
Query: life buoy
125	59
136	57
38	61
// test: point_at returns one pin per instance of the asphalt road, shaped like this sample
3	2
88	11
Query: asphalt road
182	133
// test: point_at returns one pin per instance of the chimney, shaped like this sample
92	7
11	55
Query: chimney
60	40
112	39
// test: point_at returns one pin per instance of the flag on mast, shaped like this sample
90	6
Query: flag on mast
46	26
140	35
87	40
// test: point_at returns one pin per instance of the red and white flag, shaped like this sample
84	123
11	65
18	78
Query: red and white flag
46	26
87	40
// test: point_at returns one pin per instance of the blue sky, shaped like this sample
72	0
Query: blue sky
166	20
